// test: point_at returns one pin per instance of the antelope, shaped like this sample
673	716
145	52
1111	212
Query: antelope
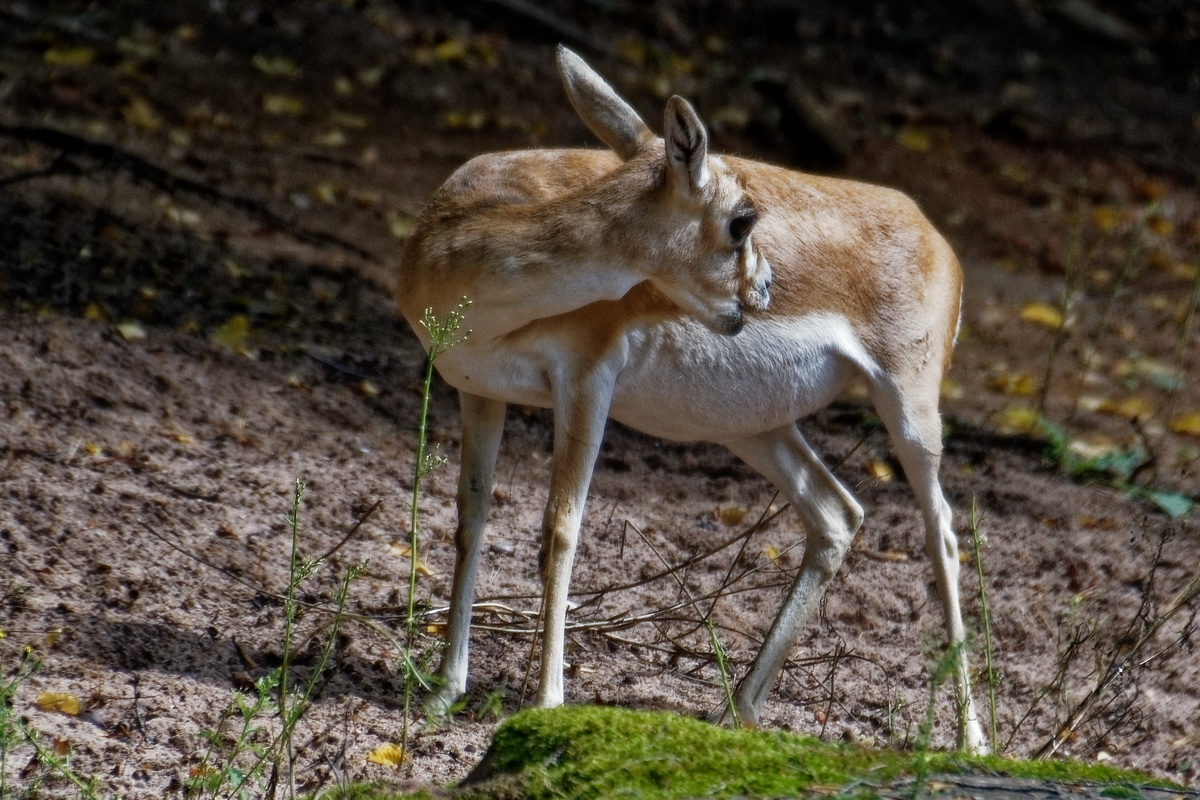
689	296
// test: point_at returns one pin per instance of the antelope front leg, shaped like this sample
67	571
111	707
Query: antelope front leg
581	408
482	429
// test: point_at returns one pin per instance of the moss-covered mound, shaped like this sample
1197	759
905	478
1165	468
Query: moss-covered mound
591	752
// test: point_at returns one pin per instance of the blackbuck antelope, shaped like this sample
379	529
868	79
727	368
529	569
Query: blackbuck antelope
693	297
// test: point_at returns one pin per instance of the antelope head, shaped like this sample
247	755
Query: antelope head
693	233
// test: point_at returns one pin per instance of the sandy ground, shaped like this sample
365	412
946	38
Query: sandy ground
146	473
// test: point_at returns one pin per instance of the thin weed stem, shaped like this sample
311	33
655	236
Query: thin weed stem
991	676
443	335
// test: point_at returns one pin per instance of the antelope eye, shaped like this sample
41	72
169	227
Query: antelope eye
739	227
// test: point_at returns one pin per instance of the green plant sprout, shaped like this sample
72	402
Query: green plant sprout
273	694
443	335
15	732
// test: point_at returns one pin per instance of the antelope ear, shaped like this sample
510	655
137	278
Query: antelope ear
687	145
609	117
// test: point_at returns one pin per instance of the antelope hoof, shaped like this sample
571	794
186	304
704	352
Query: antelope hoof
440	703
723	715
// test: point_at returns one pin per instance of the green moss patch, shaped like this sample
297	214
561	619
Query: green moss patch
592	752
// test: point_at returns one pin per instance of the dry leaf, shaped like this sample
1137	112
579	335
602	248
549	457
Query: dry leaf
282	105
453	49
1017	419
1160	225
772	553
326	193
1187	423
399	224
1105	217
471	120
180	436
880	471
140	114
404	551
1129	408
368	388
388	755
1042	314
131	331
94	312
1017	384
69	56
731	515
334	137
345	120
233	333
275	65
62	702
915	139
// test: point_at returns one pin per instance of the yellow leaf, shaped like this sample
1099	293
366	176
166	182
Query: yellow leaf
404	551
345	120
93	448
69	56
1017	419
1129	408
140	114
180	436
731	515
334	137
633	50
732	117
1187	423
62	702
371	76
1017	384
327	193
368	388
1093	447
94	312
1042	314
1160	225
275	65
471	120
131	331
399	224
453	49
951	389
233	333
282	105
915	139
880	470
388	755
1105	217
183	216
772	553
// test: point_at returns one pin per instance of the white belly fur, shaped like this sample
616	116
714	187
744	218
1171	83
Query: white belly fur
674	379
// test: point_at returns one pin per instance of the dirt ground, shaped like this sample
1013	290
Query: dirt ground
201	205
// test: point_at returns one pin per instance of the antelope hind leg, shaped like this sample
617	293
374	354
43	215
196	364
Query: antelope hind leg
909	410
831	517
